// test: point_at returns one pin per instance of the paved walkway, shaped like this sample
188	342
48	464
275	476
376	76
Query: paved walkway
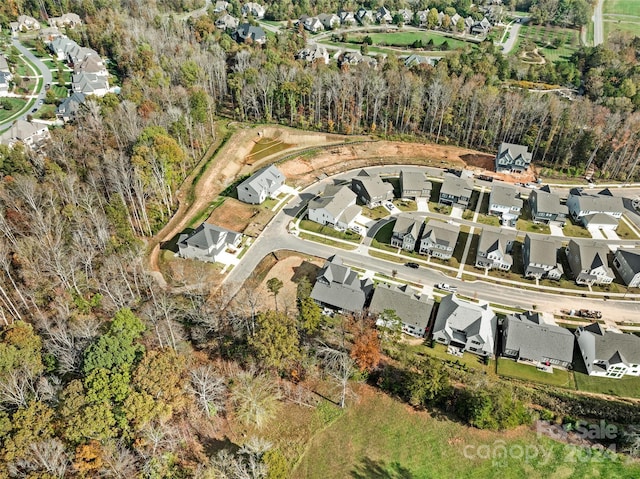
422	205
456	212
556	230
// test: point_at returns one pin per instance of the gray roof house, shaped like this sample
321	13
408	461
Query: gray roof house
546	208
329	20
5	79
69	107
406	232
599	210
311	24
32	135
254	9
439	239
482	27
414	184
512	158
314	52
227	22
206	242
383	15
540	257
588	262
364	16
336	207
466	325
455	191
68	20
526	337
370	188
90	84
627	264
249	33
339	287
609	353
413	309
347	18
505	202
261	185
220	6
494	249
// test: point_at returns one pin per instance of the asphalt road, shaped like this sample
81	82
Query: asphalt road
275	237
598	30
44	72
514	31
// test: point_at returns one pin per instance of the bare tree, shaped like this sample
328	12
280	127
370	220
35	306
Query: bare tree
340	367
209	389
47	456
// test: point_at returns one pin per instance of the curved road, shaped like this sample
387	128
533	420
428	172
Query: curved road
275	237
45	73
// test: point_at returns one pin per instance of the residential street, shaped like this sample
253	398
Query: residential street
598	29
275	237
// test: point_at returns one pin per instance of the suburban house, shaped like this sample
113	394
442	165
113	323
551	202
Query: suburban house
455	191
5	83
609	353
466	325
207	242
406	232
527	337
383	15
24	24
49	34
546	208
254	9
512	158
414	184
329	20
596	210
540	257
336	207
407	15
311	24
314	52
355	58
59	47
220	6
261	185
339	287
627	264
67	20
364	16
227	22
347	18
28	133
371	190
69	107
494	249
439	239
89	84
413	60
249	33
413	309
588	262
505	202
481	28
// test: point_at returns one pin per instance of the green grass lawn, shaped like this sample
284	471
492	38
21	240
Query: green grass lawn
16	104
327	241
547	37
384	234
60	91
329	231
574	230
382	438
513	369
621	15
405	39
405	205
376	213
526	224
624	232
46	112
626	386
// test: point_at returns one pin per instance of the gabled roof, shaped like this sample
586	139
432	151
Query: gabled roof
248	31
263	179
335	200
614	347
548	202
455	314
495	240
412	308
22	130
339	286
510	153
589	255
207	235
631	257
373	184
456	186
441	233
534	338
599	219
542	249
71	104
601	201
505	195
414	180
407	224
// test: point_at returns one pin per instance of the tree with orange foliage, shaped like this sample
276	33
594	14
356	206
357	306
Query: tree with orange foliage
366	350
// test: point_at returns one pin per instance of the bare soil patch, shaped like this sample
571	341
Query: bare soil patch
194	274
234	215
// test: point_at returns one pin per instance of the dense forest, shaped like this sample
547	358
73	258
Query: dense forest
102	373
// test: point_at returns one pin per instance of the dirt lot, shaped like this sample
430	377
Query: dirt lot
238	216
289	270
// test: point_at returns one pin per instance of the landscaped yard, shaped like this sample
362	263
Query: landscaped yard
554	43
621	15
624	232
405	205
513	369
526	224
626	386
577	231
384	234
327	241
376	213
329	231
385	439
14	106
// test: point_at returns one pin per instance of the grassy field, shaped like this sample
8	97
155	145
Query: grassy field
376	213
329	231
382	438
554	43
265	147
16	104
327	241
621	15
577	231
60	91
513	369
384	234
405	39
626	386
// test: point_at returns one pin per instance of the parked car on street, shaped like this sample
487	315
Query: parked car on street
446	287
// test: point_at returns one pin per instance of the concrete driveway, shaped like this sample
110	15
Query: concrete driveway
456	212
556	230
596	233
423	205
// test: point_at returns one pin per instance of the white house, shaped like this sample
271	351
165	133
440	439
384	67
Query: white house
609	353
336	207
261	185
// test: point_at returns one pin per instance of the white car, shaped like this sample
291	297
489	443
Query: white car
446	287
531	186
390	206
356	229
